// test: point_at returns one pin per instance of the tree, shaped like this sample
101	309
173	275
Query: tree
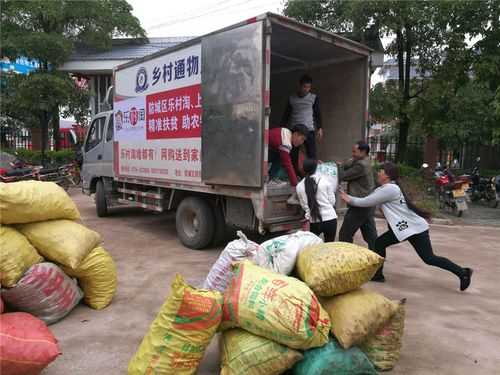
48	32
425	33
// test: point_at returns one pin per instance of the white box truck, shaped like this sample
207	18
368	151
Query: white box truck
189	126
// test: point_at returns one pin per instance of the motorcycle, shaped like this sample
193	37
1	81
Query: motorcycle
452	192
484	188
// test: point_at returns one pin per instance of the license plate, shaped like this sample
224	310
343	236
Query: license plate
458	193
461	204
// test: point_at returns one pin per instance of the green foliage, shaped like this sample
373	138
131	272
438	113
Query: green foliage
48	31
432	35
51	157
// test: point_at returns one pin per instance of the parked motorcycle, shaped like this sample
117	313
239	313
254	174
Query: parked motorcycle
484	189
451	191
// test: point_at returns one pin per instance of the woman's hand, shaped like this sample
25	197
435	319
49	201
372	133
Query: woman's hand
346	198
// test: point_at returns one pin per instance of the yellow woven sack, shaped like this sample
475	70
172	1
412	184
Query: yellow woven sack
179	335
277	307
336	267
97	277
61	241
243	353
30	201
384	347
17	255
358	314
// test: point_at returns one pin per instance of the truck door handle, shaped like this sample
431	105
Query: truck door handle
99	157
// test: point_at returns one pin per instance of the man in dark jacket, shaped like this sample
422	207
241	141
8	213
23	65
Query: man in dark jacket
303	108
360	182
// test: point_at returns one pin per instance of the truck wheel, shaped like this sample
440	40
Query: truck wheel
100	200
195	223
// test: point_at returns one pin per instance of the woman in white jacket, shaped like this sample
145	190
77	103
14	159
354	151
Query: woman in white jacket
406	222
317	197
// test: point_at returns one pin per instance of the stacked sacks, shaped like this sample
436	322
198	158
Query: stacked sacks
41	215
180	333
277	307
237	250
280	254
336	271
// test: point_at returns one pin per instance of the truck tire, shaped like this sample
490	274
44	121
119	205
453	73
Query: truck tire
101	204
195	223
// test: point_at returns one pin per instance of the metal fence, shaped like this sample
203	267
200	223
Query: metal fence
13	138
388	152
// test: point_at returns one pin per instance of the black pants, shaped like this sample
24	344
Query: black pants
422	245
310	144
328	228
359	218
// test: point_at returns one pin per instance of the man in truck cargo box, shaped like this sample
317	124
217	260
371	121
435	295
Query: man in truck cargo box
281	142
303	108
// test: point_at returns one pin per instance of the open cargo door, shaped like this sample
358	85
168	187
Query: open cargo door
232	131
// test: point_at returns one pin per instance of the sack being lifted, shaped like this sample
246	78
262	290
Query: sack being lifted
179	335
30	201
277	307
236	250
17	255
61	241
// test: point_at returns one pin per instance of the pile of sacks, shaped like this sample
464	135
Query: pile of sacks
320	322
43	248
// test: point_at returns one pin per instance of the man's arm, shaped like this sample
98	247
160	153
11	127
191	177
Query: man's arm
354	172
286	162
317	114
287	114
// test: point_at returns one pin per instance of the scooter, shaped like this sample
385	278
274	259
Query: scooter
451	192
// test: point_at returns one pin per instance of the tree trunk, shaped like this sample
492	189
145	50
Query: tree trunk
404	121
401	86
44	125
55	128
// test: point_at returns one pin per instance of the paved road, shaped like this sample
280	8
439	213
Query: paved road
447	332
478	213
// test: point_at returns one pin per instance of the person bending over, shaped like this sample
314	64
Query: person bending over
281	143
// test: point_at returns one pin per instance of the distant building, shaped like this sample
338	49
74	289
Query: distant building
390	71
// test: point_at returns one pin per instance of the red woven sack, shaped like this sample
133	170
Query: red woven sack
26	344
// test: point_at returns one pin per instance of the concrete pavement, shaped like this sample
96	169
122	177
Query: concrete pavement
447	332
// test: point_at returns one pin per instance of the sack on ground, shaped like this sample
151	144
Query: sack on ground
358	314
236	250
180	333
27	346
332	359
279	254
336	267
97	277
17	256
30	201
44	291
277	307
244	353
384	347
61	241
